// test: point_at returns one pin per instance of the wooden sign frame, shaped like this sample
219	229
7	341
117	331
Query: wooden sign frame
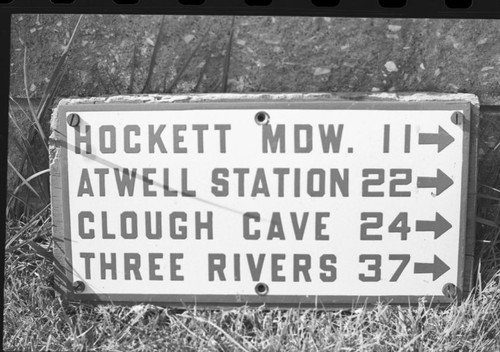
417	101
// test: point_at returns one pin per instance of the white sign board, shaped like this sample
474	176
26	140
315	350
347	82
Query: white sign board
239	203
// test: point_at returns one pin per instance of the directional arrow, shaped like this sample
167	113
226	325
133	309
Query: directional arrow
439	226
441	182
442	139
437	268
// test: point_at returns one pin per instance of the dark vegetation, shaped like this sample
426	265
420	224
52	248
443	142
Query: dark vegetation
55	56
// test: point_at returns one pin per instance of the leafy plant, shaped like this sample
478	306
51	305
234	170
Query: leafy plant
29	138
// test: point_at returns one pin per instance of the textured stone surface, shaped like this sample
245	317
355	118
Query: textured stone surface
269	54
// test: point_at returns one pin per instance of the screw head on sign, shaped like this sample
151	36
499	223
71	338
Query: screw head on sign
73	120
78	286
261	289
450	291
262	118
457	117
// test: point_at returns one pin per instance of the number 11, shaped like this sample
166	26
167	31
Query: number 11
387	137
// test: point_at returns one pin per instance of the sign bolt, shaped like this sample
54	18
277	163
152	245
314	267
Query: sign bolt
73	120
261	289
262	118
457	118
450	291
78	286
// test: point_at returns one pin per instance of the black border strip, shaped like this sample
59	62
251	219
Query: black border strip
4	130
345	8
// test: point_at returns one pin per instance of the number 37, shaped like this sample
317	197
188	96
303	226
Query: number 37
374	263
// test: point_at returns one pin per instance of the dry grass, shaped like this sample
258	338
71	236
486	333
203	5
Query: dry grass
35	319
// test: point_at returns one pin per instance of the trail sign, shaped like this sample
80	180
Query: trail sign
276	199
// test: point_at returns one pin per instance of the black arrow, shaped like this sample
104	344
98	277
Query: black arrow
441	182
439	226
442	139
437	268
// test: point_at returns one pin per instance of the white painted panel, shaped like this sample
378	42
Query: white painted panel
328	260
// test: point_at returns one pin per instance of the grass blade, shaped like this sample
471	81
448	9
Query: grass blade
42	252
27	184
492	188
25	77
186	63
227	59
156	50
132	71
26	205
53	81
33	119
487	222
31	222
25	148
24	181
20	108
202	73
113	83
48	96
229	337
13	120
485	196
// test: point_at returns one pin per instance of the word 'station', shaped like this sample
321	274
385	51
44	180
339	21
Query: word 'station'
310	202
